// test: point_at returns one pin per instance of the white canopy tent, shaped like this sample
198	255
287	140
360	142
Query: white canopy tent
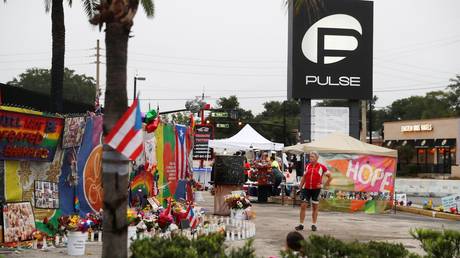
341	143
246	139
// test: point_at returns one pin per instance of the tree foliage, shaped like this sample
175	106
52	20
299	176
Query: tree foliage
271	121
230	105
77	87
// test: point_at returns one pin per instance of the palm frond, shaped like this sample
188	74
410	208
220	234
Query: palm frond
148	7
47	5
89	7
312	7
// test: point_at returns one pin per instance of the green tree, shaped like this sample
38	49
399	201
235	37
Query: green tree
271	121
453	94
77	87
117	16
433	104
237	118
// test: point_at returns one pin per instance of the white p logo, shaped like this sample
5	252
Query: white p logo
331	39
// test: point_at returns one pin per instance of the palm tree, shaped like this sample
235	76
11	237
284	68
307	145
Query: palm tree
58	49
58	52
117	15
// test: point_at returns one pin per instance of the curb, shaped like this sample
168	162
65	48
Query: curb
429	213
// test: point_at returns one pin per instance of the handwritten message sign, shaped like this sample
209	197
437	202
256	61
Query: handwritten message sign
28	137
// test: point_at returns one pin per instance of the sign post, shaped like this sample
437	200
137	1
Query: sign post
330	56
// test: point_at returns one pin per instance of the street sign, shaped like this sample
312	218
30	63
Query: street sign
201	150
219	114
222	125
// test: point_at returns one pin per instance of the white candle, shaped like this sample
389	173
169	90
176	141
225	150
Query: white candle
99	236
92	236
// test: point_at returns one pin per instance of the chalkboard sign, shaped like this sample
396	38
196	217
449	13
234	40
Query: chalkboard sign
228	170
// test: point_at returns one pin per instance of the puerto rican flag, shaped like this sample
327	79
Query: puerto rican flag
192	218
126	136
181	152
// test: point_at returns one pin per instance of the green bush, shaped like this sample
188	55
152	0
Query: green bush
211	246
329	247
440	244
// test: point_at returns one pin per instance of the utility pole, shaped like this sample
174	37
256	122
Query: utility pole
370	121
98	62
363	121
284	123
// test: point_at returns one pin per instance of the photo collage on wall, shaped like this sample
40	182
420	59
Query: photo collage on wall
18	222
46	195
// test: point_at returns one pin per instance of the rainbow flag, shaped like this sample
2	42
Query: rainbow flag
76	203
142	182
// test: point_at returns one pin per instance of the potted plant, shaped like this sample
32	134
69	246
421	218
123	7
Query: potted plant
76	228
237	204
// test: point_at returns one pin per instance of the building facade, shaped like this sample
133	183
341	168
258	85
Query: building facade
433	143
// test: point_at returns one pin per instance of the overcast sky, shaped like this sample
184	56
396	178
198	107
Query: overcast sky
236	47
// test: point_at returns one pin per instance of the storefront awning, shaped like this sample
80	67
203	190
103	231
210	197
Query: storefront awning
421	143
424	143
393	144
445	143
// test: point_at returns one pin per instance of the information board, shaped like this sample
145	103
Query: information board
201	150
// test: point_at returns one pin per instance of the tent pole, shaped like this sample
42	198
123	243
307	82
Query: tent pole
206	166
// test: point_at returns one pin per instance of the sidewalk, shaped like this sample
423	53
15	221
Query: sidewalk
274	222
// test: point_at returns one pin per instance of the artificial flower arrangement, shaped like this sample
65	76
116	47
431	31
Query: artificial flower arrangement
133	217
39	239
95	219
75	223
237	201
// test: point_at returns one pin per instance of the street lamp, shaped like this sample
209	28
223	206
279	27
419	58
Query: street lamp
135	80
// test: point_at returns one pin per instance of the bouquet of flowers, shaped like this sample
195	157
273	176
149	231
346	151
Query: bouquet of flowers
133	217
95	220
237	201
74	223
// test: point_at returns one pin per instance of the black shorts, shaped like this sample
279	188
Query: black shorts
312	195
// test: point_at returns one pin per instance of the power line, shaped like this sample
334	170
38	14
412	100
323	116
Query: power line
207	59
392	62
410	47
26	68
410	89
208	74
209	65
44	52
41	59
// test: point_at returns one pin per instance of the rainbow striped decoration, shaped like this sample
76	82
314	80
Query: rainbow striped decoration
76	203
142	182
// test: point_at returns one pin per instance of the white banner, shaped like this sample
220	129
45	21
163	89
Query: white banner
326	120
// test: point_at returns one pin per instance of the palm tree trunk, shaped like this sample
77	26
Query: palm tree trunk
115	166
57	63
